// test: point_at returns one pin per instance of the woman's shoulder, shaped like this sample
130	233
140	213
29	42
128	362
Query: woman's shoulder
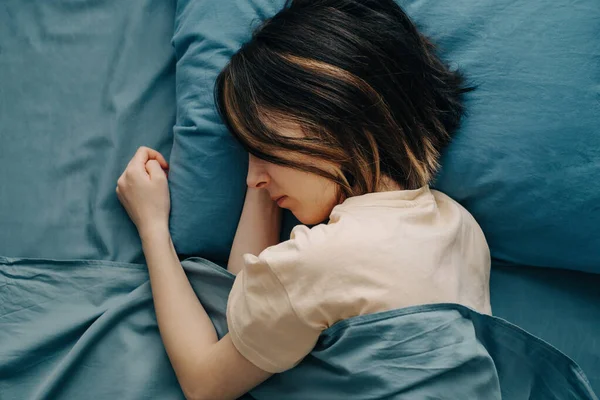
310	254
447	206
310	237
306	245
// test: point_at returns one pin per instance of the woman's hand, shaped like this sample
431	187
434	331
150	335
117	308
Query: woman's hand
144	191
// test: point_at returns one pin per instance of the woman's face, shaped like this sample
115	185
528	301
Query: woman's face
310	197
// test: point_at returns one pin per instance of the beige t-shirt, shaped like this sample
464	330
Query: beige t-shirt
380	251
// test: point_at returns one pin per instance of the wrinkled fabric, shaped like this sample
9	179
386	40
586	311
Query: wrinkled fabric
82	329
562	307
83	84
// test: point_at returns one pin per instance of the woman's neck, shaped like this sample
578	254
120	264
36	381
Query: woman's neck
387	184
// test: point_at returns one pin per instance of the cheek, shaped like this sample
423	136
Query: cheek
323	197
312	197
288	180
329	196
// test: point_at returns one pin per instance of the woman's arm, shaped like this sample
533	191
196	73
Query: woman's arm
259	228
206	368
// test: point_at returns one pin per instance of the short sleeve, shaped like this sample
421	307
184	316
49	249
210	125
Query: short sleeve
263	324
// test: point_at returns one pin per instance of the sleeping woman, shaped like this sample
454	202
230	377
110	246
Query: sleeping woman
344	108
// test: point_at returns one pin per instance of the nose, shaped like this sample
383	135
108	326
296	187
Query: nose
257	175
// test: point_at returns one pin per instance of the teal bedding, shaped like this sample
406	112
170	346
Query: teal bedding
82	85
86	329
561	307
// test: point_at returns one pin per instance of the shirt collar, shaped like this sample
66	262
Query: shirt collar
396	198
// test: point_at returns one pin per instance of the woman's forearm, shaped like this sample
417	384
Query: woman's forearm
259	228
185	328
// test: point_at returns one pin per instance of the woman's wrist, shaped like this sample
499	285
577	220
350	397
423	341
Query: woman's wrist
152	232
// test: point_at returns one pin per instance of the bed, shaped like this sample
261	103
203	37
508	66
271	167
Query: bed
84	83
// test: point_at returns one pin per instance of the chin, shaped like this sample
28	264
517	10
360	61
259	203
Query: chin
311	218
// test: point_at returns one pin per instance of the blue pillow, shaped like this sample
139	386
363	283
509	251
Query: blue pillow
207	167
526	162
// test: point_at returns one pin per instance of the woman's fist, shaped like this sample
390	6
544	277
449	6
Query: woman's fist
144	191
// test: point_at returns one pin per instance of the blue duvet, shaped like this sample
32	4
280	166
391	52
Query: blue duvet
86	329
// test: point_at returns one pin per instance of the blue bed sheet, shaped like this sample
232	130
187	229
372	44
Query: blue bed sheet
560	306
82	329
82	85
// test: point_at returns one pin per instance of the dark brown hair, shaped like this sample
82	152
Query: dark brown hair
368	90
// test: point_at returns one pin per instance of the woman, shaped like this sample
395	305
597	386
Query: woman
344	108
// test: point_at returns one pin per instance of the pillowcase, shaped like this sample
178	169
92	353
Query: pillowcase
207	167
526	161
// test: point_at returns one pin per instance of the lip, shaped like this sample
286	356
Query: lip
279	200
